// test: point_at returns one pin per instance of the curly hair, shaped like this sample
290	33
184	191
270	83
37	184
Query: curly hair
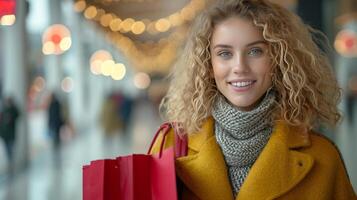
306	88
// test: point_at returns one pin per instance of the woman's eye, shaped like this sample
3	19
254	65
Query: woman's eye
224	54
255	52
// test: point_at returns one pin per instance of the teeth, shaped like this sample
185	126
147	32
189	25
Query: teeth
242	84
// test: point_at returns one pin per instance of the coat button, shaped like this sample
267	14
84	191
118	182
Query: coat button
300	163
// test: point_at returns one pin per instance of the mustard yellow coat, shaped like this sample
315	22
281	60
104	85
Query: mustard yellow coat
291	166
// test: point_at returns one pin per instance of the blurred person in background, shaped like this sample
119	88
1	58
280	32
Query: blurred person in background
109	118
55	119
8	118
116	113
249	90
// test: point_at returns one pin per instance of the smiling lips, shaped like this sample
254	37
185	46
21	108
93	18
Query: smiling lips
241	85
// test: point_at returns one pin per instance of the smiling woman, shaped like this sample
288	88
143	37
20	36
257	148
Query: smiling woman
241	62
248	90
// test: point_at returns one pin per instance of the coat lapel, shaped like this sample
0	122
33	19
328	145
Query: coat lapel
277	170
279	167
204	171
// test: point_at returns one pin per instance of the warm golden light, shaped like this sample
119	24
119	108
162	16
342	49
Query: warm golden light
138	27
175	19
156	57
97	60
79	6
101	55
90	12
162	25
100	13
118	72
151	29
65	43
95	67
107	67
7	20
142	80
187	14
115	24
48	48
106	19
126	24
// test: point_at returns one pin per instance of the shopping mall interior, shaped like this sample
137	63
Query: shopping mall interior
103	65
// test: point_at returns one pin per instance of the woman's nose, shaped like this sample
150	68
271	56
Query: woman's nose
239	65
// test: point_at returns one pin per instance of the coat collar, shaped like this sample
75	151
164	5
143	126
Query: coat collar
277	170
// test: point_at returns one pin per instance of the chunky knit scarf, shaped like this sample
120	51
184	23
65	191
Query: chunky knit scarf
242	135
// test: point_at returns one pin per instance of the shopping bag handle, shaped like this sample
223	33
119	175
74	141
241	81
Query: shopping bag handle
181	143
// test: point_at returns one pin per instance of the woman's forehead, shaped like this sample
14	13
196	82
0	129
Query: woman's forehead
236	31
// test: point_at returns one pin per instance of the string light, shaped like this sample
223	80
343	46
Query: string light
106	19
150	56
115	24
162	25
138	27
126	24
79	6
90	12
176	19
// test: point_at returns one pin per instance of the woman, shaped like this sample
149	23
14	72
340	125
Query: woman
249	88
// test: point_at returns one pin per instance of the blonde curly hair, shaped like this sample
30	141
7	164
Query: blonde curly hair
306	88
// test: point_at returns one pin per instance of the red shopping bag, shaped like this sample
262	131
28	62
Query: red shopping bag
137	176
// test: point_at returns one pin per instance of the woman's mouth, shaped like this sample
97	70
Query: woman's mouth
241	84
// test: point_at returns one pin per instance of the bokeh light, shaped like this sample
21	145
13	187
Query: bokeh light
7	20
118	72
346	43
90	12
67	84
138	27
97	59
79	6
65	43
126	25
142	80
107	67
162	25
56	40
106	19
115	24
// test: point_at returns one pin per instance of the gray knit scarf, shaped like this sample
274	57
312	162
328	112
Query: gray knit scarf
242	135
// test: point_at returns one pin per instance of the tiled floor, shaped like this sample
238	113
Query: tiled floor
48	178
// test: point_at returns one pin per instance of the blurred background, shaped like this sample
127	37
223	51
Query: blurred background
82	80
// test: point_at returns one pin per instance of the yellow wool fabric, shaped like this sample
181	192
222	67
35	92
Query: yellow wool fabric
292	165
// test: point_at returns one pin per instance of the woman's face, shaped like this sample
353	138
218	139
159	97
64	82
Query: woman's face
241	62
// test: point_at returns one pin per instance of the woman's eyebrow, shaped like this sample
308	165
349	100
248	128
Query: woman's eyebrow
249	44
256	42
222	46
